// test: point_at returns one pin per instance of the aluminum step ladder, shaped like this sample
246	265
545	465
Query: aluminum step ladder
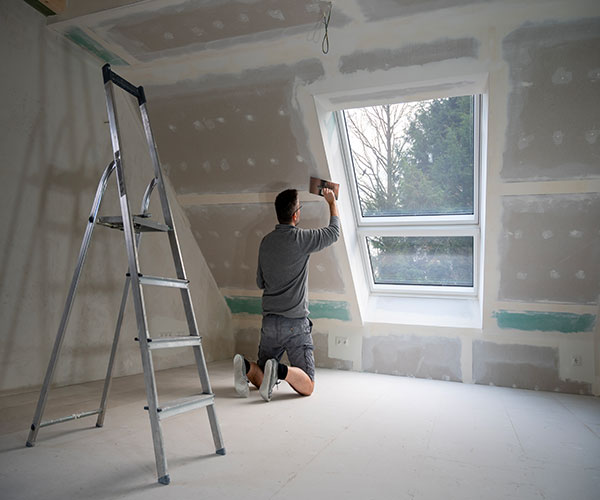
133	226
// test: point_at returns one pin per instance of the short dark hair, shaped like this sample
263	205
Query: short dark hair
285	205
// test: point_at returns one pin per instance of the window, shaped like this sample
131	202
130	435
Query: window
414	172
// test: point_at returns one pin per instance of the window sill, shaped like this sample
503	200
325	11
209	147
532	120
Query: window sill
424	311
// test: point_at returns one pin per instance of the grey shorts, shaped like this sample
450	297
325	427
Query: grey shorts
291	335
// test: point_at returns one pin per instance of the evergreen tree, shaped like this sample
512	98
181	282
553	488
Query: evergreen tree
416	160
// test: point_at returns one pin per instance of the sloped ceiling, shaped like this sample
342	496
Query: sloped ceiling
226	132
230	86
148	30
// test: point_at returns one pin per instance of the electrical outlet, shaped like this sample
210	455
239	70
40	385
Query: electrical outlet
341	341
576	360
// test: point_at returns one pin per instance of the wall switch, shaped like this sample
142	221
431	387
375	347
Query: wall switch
576	360
341	341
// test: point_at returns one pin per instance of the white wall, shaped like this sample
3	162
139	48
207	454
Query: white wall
55	145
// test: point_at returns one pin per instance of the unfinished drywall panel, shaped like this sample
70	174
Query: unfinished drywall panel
211	24
414	356
78	8
550	248
55	142
384	9
553	130
412	55
521	366
234	133
229	237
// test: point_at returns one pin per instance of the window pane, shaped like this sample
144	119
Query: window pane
414	158
435	261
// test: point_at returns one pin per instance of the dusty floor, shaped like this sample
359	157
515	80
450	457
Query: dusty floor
359	436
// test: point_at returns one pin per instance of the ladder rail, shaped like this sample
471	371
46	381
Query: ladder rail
64	321
137	293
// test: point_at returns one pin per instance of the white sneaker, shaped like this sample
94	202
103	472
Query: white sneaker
240	381
269	380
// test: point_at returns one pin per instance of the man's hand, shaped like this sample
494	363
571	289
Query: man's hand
330	198
328	195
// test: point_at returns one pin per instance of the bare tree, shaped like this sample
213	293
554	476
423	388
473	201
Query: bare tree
379	145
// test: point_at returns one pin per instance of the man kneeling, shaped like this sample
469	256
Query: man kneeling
282	274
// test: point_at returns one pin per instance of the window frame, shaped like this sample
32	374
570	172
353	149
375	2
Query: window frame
427	226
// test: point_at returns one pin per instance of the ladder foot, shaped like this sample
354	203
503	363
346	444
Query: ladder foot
221	451
165	479
29	444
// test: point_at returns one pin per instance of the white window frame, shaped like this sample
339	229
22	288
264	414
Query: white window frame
427	226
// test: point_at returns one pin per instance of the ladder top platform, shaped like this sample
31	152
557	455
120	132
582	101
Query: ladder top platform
141	224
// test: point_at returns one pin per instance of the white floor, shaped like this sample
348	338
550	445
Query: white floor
359	436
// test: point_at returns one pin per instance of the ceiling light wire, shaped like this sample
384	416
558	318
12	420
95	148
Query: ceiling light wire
326	19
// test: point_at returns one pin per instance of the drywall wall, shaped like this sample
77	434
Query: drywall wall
553	131
550	248
511	365
229	237
55	145
243	108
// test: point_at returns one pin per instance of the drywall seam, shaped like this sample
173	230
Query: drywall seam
550	187
87	41
545	321
409	55
466	359
328	309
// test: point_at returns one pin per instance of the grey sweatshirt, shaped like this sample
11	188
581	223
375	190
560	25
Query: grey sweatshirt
283	266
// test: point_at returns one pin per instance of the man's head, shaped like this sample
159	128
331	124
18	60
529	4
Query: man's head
287	207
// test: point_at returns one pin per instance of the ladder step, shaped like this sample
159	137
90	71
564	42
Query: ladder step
159	281
141	224
167	342
185	404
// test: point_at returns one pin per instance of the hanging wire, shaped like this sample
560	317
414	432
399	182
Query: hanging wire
326	19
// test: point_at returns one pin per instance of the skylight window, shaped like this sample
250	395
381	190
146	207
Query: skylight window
414	167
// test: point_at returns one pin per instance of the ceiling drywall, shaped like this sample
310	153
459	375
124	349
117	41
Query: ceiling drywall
230	86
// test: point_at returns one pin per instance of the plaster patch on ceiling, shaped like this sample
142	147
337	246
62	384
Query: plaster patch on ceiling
306	71
385	9
411	55
230	132
552	124
212	24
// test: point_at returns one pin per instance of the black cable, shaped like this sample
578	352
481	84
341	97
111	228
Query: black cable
326	19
